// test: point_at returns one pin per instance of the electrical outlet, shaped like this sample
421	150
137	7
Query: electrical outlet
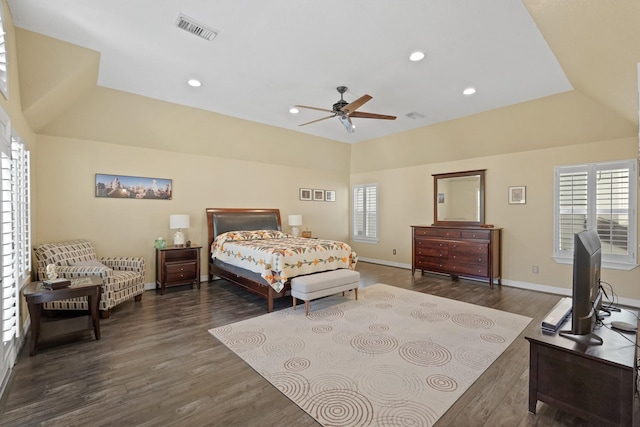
535	269
394	251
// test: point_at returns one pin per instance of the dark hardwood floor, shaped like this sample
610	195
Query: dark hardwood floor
157	365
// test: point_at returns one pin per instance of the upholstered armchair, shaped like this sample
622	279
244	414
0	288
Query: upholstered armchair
123	277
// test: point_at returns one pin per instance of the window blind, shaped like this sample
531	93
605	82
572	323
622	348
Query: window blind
365	212
600	196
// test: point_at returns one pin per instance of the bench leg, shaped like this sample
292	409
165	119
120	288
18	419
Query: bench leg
306	307
294	302
356	294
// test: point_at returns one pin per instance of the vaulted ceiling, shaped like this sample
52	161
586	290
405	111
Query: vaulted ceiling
269	56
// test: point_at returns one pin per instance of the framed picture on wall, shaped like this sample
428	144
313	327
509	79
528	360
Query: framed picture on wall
133	187
305	194
517	195
318	195
330	196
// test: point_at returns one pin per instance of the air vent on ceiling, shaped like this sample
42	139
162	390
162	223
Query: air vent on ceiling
194	27
415	115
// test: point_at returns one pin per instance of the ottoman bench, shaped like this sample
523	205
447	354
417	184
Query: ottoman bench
323	284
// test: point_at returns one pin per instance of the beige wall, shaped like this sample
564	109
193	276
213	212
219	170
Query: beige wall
83	129
406	198
69	210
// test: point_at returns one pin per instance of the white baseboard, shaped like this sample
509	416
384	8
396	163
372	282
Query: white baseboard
628	302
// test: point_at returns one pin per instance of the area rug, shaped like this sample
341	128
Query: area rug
395	357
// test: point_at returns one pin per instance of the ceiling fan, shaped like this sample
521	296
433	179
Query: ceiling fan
345	111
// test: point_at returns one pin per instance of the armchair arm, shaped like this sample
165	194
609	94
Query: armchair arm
124	263
70	272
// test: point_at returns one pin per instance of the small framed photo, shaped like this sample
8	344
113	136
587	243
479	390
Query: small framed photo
305	194
330	196
318	195
517	195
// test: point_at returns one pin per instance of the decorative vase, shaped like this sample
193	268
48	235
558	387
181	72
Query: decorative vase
160	243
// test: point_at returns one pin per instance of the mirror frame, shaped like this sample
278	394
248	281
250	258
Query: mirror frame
439	176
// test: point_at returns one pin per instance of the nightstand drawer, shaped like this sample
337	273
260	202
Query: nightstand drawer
181	267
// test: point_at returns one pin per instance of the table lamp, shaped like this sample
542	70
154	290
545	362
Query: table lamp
178	222
294	222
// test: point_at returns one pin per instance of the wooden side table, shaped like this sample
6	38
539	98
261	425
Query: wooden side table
177	266
36	295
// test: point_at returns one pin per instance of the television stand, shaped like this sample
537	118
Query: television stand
581	338
594	382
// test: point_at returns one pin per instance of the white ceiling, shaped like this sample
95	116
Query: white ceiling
270	55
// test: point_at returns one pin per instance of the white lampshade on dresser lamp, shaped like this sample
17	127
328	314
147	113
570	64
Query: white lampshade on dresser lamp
295	221
178	222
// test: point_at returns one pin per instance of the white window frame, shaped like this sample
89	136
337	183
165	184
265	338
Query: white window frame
4	58
369	231
626	261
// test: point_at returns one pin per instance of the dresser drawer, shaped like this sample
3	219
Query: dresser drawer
431	263
475	234
437	232
471	259
470	269
469	248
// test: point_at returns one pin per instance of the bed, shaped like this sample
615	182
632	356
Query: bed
247	247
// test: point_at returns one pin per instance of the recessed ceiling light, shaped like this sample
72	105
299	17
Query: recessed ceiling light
416	56
294	110
469	91
194	83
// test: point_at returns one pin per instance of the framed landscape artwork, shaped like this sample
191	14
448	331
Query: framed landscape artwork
133	187
318	195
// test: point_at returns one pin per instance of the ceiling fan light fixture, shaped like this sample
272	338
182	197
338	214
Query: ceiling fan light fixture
469	91
351	128
416	56
294	110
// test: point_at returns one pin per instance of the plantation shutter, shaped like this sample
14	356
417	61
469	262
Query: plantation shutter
612	210
600	196
7	232
22	215
573	198
365	212
7	253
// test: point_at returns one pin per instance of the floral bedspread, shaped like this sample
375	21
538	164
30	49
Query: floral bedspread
278	256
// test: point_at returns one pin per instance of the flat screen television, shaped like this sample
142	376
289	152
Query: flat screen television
586	293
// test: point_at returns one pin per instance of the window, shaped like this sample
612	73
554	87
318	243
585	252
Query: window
15	238
365	213
600	196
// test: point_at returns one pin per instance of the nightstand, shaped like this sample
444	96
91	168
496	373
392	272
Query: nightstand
177	266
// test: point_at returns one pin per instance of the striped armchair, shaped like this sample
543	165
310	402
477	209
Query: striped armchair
123	277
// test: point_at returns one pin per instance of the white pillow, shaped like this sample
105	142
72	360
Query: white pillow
89	263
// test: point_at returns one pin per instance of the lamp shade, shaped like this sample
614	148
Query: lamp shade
295	220
178	221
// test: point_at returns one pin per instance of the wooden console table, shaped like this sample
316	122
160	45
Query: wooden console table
36	295
594	382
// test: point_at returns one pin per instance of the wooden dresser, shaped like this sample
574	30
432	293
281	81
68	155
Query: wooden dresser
472	252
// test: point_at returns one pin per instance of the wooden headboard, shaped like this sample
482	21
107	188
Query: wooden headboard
221	220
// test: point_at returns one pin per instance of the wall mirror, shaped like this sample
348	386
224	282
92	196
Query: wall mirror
458	198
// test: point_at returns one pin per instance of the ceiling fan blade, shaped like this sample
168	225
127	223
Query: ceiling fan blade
363	115
314	108
318	120
356	104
